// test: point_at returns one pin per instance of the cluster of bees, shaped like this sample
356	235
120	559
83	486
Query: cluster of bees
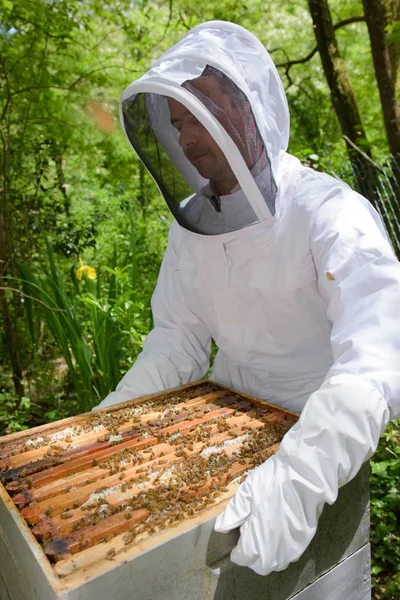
177	483
195	482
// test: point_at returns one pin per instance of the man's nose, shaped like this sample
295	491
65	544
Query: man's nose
187	136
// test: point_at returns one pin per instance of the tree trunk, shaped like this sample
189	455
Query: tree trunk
392	15
342	94
8	324
343	97
376	18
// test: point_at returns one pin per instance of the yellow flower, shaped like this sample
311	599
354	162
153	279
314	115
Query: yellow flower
85	271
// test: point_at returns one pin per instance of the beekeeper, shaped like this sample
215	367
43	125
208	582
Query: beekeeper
287	269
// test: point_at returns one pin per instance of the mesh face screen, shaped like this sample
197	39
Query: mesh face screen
139	129
230	106
186	162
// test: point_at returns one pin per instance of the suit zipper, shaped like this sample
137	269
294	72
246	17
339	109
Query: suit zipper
229	261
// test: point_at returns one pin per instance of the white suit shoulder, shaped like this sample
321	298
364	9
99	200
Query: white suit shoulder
173	247
314	189
323	207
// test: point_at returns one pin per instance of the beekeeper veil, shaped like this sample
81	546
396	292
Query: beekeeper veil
199	127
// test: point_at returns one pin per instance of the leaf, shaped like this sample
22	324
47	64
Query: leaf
393	33
380	467
7	5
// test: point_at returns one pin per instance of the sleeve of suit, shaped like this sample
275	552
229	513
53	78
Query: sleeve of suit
279	504
176	351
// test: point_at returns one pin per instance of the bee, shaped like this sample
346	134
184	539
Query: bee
83	541
128	538
29	482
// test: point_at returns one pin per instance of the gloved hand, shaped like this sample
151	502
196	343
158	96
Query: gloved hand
279	504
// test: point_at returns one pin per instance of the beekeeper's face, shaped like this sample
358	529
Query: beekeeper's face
199	147
181	154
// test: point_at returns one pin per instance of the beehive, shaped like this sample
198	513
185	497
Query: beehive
99	489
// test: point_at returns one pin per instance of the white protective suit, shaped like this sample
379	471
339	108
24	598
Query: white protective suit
303	303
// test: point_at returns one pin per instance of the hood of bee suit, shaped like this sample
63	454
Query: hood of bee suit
235	120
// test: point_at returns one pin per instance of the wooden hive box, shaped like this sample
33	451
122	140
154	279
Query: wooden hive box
86	500
121	503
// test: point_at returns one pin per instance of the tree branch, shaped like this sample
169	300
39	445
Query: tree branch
105	37
182	20
349	21
290	63
3	64
22	56
72	125
62	36
74	83
169	20
3	188
363	154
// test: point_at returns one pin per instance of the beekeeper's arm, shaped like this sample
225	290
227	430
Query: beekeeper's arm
176	351
279	503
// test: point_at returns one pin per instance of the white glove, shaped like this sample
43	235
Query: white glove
279	504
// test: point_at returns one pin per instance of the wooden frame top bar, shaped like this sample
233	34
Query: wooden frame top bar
101	488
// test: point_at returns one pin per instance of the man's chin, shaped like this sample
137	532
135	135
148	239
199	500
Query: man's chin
205	173
204	165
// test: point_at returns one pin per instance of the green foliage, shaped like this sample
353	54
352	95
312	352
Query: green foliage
385	514
393	33
98	326
61	173
15	413
60	316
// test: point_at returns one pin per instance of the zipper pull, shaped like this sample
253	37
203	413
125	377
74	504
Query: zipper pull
228	256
